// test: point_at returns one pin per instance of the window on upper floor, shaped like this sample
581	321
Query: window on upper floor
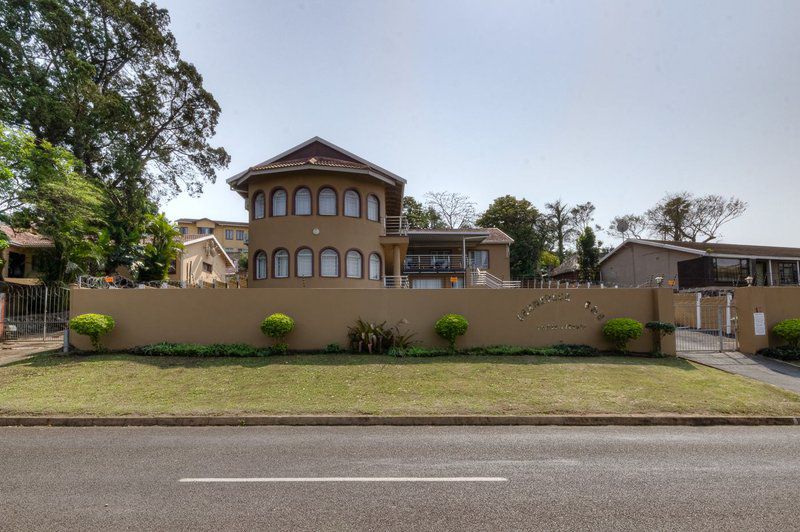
374	267
329	263
205	231
228	234
353	264
260	271
259	206
239	234
208	268
352	204
479	258
305	263
184	230
279	203
327	202
373	208
302	202
281	267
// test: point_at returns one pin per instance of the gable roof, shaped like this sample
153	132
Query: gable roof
25	239
191	241
569	265
218	222
492	235
715	249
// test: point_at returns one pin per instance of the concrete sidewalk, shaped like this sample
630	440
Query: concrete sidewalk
770	371
14	351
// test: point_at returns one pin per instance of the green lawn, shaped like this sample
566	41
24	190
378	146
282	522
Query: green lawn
364	384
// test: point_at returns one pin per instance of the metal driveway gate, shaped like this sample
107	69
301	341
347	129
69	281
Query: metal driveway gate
706	324
33	312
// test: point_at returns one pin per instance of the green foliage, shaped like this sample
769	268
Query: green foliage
450	327
620	331
161	249
106	80
548	261
784	352
789	332
280	348
92	325
419	216
277	326
659	330
560	350
375	338
196	350
334	348
588	255
520	220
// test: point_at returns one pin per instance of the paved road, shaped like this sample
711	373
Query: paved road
559	478
775	372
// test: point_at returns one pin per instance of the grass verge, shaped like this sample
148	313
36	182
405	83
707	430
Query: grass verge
108	385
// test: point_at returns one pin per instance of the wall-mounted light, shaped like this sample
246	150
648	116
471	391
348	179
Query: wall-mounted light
749	280
659	280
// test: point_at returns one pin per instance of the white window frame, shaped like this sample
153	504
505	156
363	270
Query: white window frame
352	200
259	207
353	269
326	202
279	202
280	268
302	194
301	265
374	267
472	254
373	203
258	274
228	234
329	258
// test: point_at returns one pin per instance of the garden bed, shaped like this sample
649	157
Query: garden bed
126	384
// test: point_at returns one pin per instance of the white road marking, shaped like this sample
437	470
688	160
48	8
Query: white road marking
347	479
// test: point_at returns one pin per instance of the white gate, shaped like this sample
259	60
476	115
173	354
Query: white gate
705	323
33	312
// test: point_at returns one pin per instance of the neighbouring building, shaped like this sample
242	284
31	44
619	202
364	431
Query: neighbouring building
202	260
321	216
231	235
25	256
569	270
689	265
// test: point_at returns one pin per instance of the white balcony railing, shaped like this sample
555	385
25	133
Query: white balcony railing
395	225
433	263
484	278
396	281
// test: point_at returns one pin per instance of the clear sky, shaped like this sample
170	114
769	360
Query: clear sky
611	102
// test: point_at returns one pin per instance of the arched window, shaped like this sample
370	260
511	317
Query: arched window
327	202
279	203
305	263
329	263
261	265
302	202
374	267
353	264
352	204
281	266
373	208
258	206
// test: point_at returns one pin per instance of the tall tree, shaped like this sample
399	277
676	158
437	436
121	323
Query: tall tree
521	221
161	248
561	224
588	254
40	189
582	216
683	216
105	79
453	209
419	216
628	226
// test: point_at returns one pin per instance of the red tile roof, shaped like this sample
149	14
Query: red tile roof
314	160
25	239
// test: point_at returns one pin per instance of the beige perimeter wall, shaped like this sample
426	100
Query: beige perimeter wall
777	304
526	317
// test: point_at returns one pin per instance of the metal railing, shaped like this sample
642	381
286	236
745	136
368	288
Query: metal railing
484	278
33	312
117	281
396	281
433	263
395	226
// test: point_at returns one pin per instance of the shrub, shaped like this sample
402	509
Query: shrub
281	348
659	329
781	353
333	348
621	331
450	327
166	349
93	326
369	337
789	332
277	326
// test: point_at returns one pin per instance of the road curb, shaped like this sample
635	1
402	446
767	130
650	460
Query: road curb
215	421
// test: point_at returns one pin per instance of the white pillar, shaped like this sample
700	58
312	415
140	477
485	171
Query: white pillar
798	272
699	314
769	269
728	298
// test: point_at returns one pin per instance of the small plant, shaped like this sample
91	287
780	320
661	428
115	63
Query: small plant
621	331
789	332
281	348
369	337
659	329
92	325
277	326
402	339
333	348
450	327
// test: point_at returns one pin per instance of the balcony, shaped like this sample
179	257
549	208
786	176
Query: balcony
395	226
433	263
396	281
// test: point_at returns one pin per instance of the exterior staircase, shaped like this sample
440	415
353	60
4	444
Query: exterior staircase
485	279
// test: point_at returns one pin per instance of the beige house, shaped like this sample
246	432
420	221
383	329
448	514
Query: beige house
231	235
202	261
690	265
323	217
24	257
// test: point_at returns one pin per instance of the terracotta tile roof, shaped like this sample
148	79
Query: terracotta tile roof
713	248
315	161
26	239
496	236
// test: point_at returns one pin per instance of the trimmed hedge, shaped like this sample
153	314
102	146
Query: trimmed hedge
277	325
558	350
789	332
620	331
781	353
450	327
92	325
166	349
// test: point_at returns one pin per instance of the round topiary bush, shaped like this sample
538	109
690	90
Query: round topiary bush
277	326
789	332
621	331
450	327
93	326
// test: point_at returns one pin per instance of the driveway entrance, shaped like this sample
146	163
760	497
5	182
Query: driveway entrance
705	324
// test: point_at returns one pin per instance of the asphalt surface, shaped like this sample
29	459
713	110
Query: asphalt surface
558	478
770	371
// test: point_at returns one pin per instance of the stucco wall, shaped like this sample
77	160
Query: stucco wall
636	264
323	315
777	304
